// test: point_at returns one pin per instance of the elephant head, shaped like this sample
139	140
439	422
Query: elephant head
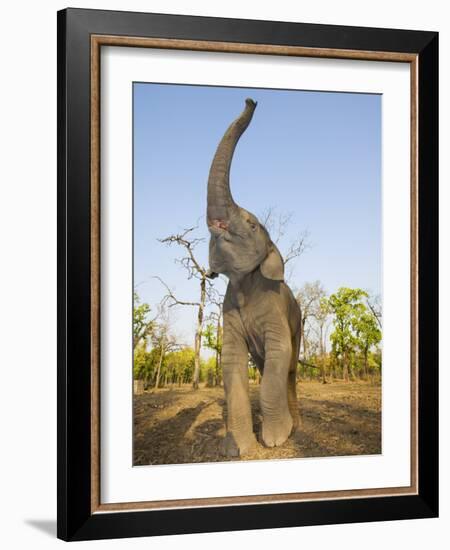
239	243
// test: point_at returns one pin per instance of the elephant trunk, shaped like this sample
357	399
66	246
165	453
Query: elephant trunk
220	200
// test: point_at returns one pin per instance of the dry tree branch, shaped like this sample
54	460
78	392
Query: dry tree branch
190	262
170	296
297	247
215	298
275	224
376	310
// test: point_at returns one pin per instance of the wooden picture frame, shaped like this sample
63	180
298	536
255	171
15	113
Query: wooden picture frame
81	35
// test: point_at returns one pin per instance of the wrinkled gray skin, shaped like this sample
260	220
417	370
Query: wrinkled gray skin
261	315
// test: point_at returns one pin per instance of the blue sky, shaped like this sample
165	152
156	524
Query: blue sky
316	155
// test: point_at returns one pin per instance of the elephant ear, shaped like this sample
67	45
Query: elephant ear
272	267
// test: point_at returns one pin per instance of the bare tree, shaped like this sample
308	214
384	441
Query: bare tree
374	304
277	224
216	319
321	313
197	271
163	341
309	298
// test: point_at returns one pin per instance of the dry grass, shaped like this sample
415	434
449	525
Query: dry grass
179	425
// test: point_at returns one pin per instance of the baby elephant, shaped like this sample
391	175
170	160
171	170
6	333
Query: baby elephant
261	315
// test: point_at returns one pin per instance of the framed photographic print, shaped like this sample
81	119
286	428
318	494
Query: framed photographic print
247	253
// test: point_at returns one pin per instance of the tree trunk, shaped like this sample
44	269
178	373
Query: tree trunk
218	376
333	368
366	351
322	358
198	334
345	367
322	370
158	372
304	339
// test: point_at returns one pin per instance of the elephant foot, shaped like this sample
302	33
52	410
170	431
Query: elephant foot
233	448
275	434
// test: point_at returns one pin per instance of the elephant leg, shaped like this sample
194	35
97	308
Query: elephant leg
240	438
292	383
277	419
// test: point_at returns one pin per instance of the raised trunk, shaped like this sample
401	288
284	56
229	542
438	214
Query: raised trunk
220	200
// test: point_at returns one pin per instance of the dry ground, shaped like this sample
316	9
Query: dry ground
179	425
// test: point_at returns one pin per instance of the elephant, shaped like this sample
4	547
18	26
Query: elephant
260	314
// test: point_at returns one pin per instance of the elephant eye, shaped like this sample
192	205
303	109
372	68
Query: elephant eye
252	225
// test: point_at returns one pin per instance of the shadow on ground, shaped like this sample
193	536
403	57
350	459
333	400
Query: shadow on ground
181	425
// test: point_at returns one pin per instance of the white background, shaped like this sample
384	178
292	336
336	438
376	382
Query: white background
119	481
28	276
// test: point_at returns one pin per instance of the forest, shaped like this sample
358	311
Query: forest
341	332
340	341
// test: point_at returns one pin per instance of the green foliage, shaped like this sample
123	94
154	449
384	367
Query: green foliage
142	325
355	328
207	371
253	372
354	339
140	360
210	338
367	331
177	367
324	309
346	306
180	365
145	363
375	360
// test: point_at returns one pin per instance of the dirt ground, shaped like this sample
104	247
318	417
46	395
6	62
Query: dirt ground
179	425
